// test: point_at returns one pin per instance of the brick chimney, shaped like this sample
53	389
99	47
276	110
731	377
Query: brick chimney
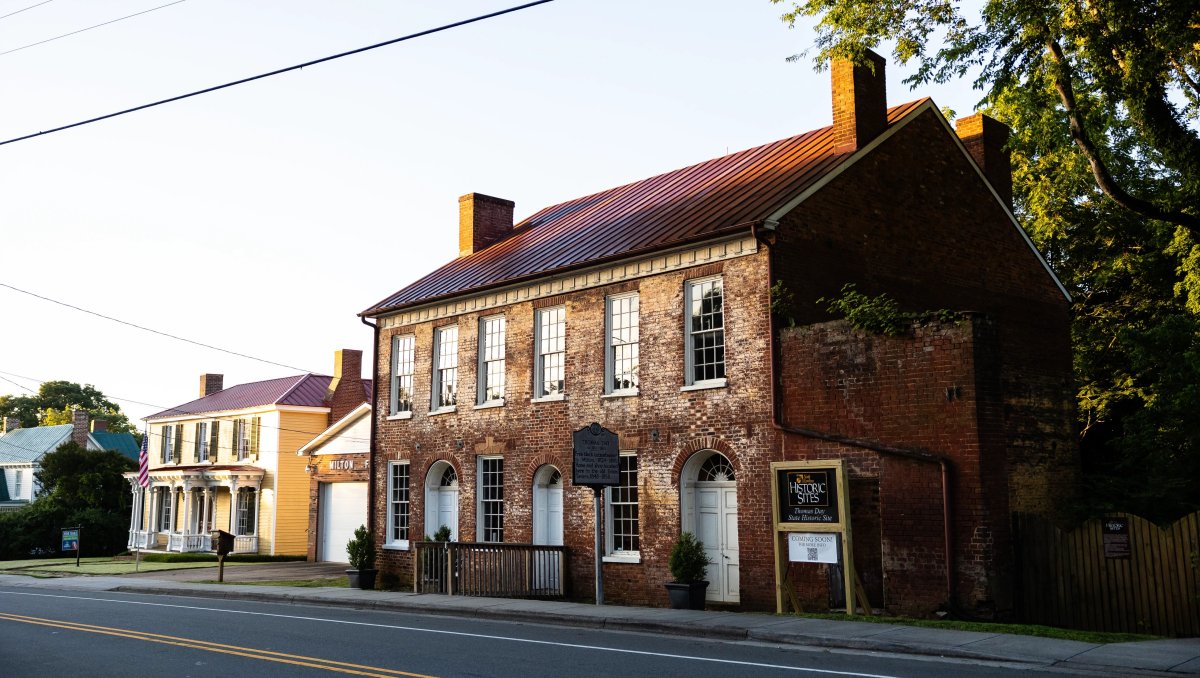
985	138
11	424
79	431
859	102
482	221
346	388
100	425
211	383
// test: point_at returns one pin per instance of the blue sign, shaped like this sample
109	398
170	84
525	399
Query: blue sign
70	540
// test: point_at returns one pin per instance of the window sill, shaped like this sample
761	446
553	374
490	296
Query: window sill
396	546
556	398
490	404
630	558
704	385
400	415
623	393
444	410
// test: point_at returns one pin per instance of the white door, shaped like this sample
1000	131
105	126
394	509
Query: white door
716	509
341	509
447	513
547	525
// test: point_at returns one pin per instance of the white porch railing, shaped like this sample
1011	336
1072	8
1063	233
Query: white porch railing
245	544
189	543
143	539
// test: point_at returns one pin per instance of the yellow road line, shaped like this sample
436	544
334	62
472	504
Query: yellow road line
191	643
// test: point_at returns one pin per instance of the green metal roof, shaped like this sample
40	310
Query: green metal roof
124	443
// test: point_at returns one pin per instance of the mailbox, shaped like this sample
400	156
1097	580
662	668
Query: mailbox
222	542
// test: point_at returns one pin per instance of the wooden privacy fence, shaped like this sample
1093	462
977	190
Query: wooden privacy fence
1119	573
489	569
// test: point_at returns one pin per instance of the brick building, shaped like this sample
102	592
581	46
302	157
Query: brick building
647	308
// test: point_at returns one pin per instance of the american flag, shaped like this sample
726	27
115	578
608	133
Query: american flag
144	461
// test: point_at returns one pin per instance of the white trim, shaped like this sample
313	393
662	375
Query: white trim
490	404
444	410
633	558
337	427
399	416
927	105
719	248
689	350
539	366
704	385
481	373
399	544
556	398
623	393
610	364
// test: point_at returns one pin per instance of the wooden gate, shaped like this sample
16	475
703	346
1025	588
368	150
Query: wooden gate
1147	583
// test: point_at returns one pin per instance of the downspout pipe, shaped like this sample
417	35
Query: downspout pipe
374	425
942	461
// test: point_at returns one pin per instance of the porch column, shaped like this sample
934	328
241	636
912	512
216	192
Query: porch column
133	506
152	517
233	501
210	514
174	509
187	507
257	499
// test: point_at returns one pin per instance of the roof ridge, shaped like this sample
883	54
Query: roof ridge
299	380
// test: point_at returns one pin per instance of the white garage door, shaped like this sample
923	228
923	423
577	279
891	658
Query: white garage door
343	509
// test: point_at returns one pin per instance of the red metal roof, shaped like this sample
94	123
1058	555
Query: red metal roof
689	204
304	389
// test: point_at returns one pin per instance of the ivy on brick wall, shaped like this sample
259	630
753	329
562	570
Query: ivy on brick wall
880	314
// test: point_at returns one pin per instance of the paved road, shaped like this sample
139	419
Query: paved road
72	633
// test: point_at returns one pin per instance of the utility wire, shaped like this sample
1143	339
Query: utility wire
47	2
297	67
81	30
153	331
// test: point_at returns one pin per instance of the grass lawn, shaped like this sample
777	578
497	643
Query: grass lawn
988	627
106	566
324	582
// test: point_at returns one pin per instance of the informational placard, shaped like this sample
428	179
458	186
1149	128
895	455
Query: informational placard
70	539
808	495
1114	533
813	547
596	459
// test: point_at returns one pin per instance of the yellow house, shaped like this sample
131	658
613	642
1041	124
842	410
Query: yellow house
228	460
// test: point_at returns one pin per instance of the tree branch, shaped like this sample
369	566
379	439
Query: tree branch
1104	178
1184	75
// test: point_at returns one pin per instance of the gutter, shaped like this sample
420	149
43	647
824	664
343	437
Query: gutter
887	450
374	424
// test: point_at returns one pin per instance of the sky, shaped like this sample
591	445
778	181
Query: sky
262	218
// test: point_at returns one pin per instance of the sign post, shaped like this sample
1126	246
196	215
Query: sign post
70	541
596	463
810	506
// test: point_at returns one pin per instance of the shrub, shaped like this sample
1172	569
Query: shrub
361	549
688	561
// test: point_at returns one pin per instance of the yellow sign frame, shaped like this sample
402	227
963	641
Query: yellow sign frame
842	527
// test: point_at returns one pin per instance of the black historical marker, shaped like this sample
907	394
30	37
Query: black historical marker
1114	533
596	462
808	495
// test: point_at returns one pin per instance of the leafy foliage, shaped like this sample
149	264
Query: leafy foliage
53	402
1091	63
688	562
361	549
877	315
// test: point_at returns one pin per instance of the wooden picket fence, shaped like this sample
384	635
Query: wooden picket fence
1066	579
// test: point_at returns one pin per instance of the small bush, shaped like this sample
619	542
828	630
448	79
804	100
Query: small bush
688	561
361	549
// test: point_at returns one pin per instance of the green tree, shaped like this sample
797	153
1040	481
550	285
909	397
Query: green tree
54	400
1105	60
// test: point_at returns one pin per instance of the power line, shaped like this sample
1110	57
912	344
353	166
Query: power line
26	9
81	30
297	67
152	331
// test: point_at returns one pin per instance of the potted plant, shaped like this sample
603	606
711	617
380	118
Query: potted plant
361	550
689	565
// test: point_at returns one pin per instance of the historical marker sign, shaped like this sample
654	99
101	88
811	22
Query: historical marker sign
813	547
70	540
596	462
1115	536
808	495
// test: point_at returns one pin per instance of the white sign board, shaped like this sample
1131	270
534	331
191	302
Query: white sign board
813	547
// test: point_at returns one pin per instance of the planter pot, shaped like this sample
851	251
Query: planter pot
362	579
687	596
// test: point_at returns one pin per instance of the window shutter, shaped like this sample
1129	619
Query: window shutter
163	451
214	439
178	451
196	446
255	436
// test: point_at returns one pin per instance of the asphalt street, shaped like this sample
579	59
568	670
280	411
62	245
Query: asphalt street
70	633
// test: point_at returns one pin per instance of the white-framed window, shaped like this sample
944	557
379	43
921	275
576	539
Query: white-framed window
201	443
445	367
621	344
247	507
17	483
623	534
491	499
403	350
705	330
214	440
166	504
550	341
165	436
491	360
241	440
397	506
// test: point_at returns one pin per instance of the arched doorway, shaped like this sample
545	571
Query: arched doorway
441	499
708	494
548	506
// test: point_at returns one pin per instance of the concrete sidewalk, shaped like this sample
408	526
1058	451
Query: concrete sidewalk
1158	657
